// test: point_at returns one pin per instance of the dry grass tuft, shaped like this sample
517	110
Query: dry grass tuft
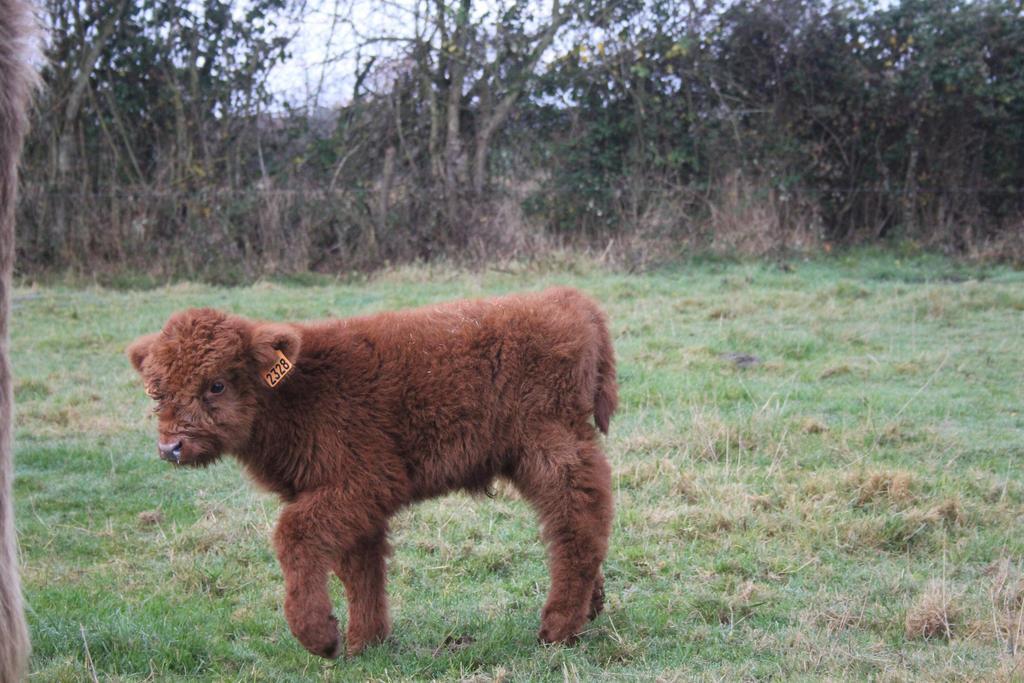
685	486
893	486
844	614
721	314
812	425
900	530
934	615
650	472
150	517
835	371
1007	597
499	675
948	511
712	439
907	368
895	434
1010	669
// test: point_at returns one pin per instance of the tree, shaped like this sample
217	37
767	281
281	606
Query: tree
149	92
453	74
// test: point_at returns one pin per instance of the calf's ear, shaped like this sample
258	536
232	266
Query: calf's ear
269	338
139	349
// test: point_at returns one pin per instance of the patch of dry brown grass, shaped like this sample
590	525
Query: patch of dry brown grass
896	433
935	614
841	615
835	371
813	425
150	517
761	502
1007	599
891	486
949	512
639	474
898	531
713	439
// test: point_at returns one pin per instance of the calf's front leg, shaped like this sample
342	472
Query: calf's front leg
363	571
311	535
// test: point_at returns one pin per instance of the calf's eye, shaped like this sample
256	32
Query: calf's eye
217	388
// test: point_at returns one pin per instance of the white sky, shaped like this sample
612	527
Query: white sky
308	71
322	68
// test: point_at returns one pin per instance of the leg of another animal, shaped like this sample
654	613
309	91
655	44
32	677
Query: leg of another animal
311	535
18	32
566	477
363	571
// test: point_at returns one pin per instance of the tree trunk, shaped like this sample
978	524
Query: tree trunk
496	119
453	159
66	137
387	178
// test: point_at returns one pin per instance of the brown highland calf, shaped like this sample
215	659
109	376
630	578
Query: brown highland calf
350	420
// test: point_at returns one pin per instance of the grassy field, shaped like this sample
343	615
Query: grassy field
817	475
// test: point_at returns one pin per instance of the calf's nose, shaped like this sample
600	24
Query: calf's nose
170	451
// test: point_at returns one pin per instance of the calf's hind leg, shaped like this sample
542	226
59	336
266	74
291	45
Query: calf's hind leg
567	479
597	597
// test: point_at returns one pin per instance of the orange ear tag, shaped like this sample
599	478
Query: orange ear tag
282	367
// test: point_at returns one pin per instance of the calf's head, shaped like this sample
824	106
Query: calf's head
206	371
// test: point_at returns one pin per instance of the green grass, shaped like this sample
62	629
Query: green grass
773	521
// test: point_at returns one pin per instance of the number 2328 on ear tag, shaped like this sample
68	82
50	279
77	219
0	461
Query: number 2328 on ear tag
282	367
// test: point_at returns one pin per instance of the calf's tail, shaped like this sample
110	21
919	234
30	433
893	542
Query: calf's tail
606	399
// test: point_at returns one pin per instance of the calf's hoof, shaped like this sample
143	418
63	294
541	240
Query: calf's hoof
359	639
559	628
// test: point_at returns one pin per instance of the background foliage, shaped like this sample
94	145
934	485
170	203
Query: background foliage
476	130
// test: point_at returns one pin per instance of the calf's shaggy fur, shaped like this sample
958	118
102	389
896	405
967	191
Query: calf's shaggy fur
381	411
